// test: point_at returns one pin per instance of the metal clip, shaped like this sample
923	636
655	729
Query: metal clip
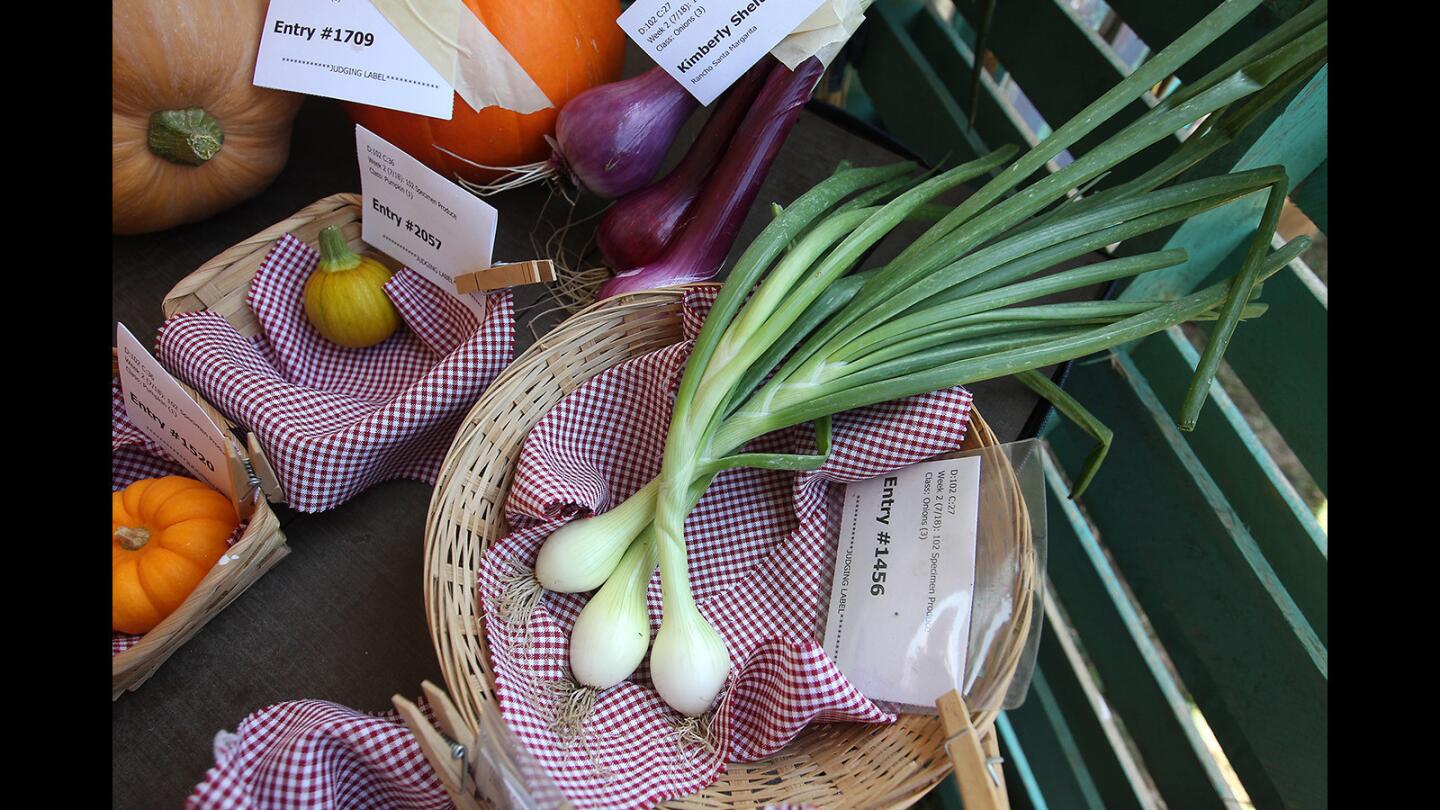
435	743
969	759
253	480
995	774
460	752
957	735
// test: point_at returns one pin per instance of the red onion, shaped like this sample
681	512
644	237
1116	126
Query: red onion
636	229
699	251
612	138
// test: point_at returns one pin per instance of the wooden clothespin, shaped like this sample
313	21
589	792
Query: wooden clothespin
501	276
449	750
976	762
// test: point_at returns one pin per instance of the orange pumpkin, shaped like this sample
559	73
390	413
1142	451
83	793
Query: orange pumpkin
166	535
566	47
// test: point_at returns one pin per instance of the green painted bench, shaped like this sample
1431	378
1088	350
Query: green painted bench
1190	581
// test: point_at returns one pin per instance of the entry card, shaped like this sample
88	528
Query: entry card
346	49
706	45
904	582
421	219
155	403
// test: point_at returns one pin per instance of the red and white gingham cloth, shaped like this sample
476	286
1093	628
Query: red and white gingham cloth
321	754
334	421
313	753
761	548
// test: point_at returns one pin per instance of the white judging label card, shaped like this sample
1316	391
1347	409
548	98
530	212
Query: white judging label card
707	44
899	624
422	220
346	49
157	405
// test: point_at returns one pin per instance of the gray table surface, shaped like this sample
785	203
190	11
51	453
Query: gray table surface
342	617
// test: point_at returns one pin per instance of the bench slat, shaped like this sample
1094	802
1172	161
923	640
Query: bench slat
1160	24
1072	69
1239	642
1281	523
1295	135
1138	686
906	92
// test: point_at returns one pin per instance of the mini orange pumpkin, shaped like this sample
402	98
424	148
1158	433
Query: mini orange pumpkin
167	533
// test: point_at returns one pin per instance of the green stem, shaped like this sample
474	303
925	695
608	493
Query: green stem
335	254
962	334
1257	266
929	317
784	409
1158	67
1071	409
1018	256
191	136
752	263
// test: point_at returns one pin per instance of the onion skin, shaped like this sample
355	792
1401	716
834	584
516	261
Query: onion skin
699	251
613	138
637	229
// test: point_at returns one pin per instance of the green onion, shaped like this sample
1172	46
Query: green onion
1071	409
793	339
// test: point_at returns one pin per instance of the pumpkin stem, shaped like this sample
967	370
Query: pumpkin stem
132	539
335	254
190	136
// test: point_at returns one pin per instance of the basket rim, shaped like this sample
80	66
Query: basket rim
257	242
453	612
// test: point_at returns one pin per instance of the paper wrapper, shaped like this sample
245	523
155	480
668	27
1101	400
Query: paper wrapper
459	46
822	34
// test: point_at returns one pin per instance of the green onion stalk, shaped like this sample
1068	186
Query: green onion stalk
795	336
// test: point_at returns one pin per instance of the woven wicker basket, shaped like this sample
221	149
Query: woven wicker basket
260	546
222	284
830	764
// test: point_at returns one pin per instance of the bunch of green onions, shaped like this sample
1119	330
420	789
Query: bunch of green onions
795	336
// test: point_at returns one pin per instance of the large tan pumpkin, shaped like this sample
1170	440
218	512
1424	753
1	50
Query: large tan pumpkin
192	135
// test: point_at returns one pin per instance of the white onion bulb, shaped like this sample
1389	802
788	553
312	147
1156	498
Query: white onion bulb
612	632
689	662
581	555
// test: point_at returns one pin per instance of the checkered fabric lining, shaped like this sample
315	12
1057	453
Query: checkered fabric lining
314	753
761	548
334	421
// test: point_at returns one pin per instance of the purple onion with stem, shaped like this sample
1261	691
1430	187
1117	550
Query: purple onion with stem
612	138
699	251
638	227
